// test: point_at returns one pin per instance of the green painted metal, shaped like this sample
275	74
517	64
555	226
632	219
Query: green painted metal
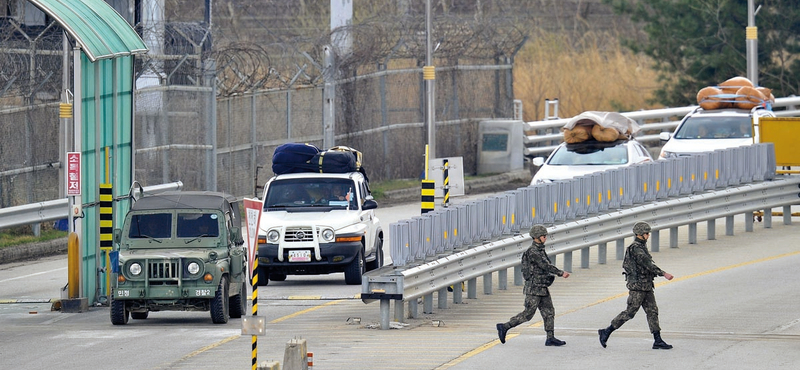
99	30
107	137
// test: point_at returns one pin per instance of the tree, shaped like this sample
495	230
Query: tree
698	43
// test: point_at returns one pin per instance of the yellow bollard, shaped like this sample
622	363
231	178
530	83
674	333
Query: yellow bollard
73	265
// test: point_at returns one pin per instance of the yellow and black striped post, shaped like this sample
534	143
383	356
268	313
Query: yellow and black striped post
446	183
106	228
106	217
254	282
428	200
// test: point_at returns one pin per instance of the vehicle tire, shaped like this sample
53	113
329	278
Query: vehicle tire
277	277
263	276
119	313
219	305
353	273
378	262
238	303
139	315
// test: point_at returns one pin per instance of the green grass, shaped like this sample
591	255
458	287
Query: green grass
378	189
10	239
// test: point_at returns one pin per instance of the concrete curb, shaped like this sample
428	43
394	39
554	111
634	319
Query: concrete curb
33	251
489	183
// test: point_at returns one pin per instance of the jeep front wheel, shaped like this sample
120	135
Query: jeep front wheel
238	303
119	314
219	306
352	276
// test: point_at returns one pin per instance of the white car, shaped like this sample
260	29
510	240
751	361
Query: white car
572	160
318	223
708	130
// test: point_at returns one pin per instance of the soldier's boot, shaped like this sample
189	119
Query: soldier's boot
604	334
659	343
554	342
501	332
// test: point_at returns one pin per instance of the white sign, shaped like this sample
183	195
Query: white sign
252	211
73	173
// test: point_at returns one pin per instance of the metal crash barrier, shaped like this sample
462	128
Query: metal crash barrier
446	247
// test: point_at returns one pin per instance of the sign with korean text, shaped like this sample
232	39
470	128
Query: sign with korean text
73	173
252	211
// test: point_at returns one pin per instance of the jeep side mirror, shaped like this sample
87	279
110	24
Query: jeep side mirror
664	136
117	235
369	204
236	236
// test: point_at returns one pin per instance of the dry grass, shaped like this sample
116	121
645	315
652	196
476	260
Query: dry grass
591	73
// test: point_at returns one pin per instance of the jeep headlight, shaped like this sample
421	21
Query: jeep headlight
193	268
328	235
273	236
135	269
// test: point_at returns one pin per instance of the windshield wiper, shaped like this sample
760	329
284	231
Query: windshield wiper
150	237
196	238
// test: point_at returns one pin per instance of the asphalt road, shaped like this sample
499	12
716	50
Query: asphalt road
732	305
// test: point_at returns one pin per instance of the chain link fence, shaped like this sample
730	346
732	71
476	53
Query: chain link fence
227	84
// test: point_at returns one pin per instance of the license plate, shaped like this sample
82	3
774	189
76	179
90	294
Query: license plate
299	256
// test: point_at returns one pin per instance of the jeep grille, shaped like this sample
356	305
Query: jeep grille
299	234
163	270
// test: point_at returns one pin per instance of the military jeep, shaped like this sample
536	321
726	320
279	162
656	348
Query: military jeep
180	251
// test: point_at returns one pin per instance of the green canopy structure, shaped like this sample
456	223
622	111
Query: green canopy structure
105	45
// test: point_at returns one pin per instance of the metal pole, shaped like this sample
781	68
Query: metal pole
752	43
429	75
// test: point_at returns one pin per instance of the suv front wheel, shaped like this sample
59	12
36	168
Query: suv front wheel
354	271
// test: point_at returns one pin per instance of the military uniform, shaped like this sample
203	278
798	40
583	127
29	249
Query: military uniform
639	274
539	274
640	286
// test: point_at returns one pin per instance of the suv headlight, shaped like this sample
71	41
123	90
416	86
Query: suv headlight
135	269
273	236
328	235
193	268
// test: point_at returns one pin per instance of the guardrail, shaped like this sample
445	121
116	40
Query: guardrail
592	210
547	131
53	210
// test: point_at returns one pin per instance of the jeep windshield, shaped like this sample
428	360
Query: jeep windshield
733	127
332	193
191	226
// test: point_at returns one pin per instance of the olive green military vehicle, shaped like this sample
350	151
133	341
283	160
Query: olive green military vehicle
180	251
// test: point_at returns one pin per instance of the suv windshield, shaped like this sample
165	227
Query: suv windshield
305	192
698	127
590	154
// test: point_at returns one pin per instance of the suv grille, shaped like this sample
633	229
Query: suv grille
163	269
299	234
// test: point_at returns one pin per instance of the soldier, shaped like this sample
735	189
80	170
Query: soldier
639	273
539	274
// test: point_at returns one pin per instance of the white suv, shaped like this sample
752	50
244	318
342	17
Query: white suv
708	130
318	223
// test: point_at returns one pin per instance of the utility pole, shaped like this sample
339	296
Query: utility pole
752	43
429	75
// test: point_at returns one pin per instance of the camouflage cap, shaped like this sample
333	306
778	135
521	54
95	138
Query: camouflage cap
538	230
641	228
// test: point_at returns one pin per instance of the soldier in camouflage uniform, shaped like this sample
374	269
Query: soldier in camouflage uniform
539	274
639	273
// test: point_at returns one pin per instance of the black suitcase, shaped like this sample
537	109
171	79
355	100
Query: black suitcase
293	158
334	162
